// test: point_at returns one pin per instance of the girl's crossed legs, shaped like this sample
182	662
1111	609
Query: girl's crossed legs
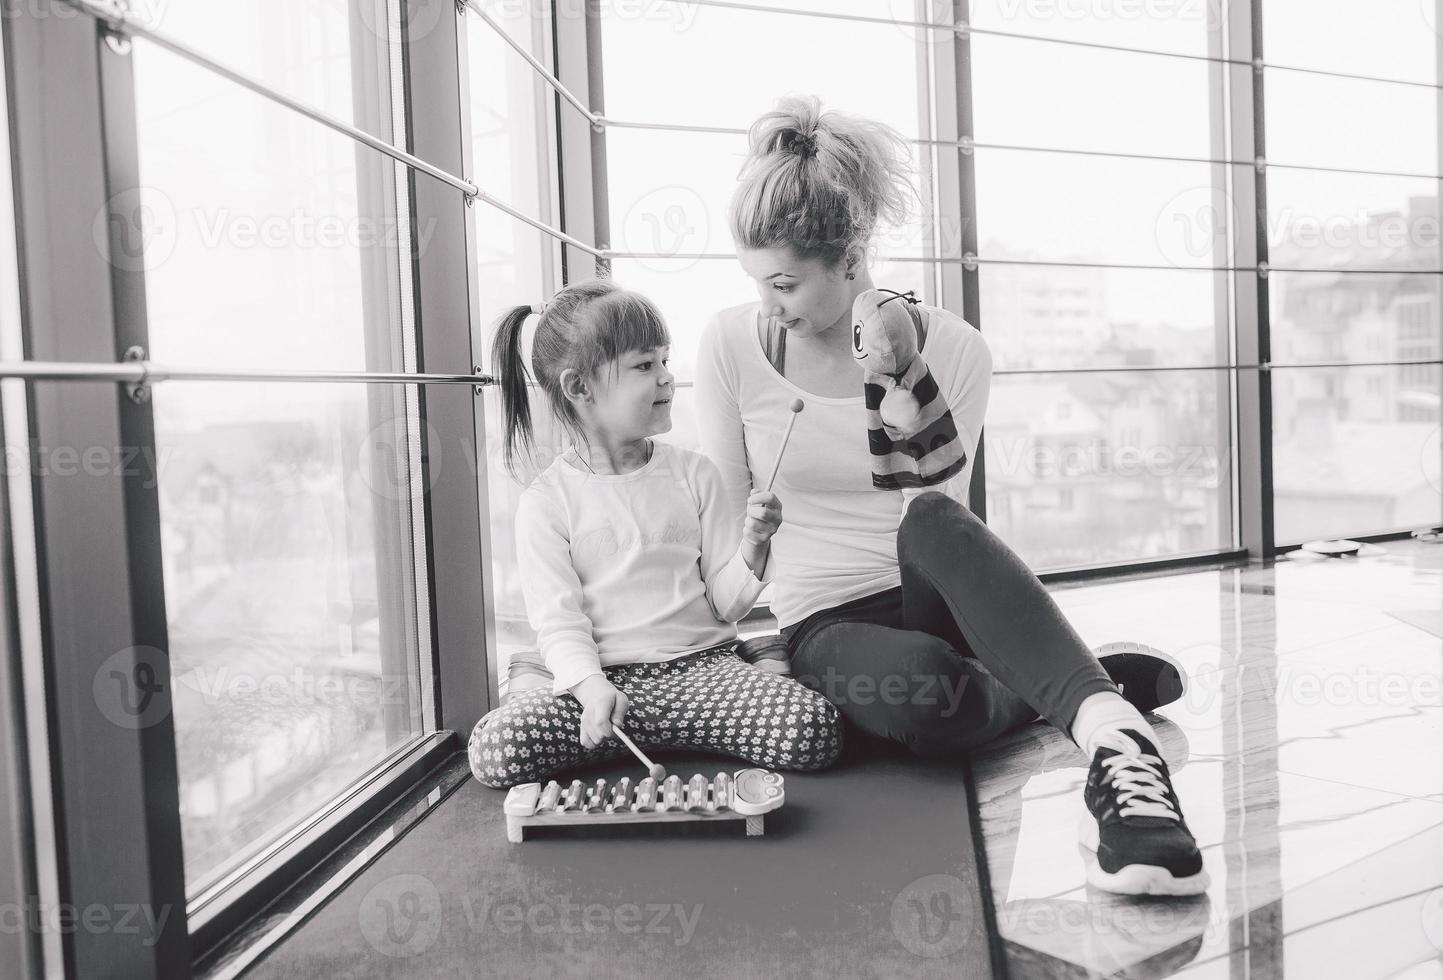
711	701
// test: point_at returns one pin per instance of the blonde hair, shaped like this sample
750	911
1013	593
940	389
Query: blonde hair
819	182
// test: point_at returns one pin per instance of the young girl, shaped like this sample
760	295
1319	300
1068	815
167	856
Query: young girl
633	567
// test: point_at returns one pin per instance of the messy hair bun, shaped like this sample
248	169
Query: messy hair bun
819	181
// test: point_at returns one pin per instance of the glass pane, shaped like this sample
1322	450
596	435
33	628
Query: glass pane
672	212
1063	208
310	50
1389	127
1084	113
1091	468
1179	27
1351	221
1356	450
256	227
514	260
289	589
1326	316
1040	317
690	292
288	530
1385	39
760	56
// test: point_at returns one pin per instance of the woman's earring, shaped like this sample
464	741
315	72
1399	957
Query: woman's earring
851	275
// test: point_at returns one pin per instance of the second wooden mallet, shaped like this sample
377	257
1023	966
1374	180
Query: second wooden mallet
654	770
796	406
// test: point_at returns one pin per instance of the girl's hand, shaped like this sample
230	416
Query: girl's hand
602	706
764	516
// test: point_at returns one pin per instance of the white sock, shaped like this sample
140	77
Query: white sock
1106	714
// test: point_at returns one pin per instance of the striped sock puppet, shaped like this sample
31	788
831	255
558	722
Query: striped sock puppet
909	424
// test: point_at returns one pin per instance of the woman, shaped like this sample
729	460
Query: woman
901	607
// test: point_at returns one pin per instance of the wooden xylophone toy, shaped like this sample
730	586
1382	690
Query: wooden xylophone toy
747	795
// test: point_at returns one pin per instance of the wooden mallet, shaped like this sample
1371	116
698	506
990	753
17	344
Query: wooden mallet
796	406
653	769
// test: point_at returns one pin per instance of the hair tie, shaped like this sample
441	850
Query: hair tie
538	310
803	145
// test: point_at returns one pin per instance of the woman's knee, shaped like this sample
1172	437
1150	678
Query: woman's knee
934	513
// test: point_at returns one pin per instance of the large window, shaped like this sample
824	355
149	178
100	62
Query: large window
1353	230
293	588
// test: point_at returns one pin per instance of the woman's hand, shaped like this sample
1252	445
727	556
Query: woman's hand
602	706
764	516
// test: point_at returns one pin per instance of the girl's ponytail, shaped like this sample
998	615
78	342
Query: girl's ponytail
513	379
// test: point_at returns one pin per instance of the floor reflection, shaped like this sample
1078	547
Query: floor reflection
1307	757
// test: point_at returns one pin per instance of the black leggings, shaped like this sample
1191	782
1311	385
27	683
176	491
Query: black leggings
968	647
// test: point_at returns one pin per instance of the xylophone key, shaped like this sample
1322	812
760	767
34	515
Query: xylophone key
596	799
671	793
620	796
572	800
549	796
717	798
696	793
720	791
645	796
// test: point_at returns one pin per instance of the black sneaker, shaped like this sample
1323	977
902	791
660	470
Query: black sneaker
1146	677
1139	842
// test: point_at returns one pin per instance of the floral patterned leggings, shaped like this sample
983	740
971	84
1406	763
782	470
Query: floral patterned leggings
712	701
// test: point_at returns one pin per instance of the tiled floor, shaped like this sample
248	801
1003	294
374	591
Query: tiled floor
1308	754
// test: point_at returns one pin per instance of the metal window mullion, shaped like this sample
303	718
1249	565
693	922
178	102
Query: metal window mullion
444	278
98	544
970	283
1250	251
1438	199
581	148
